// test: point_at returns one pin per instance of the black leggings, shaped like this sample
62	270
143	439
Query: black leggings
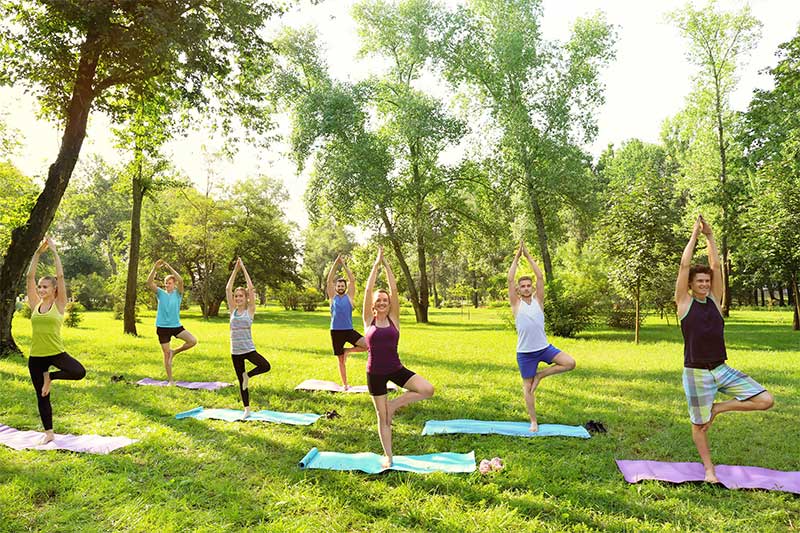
262	366
68	368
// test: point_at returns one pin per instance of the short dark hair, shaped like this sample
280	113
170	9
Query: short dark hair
700	269
523	278
342	280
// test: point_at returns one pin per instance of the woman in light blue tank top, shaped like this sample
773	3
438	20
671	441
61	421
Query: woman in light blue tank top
242	305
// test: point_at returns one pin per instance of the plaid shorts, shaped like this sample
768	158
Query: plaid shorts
701	385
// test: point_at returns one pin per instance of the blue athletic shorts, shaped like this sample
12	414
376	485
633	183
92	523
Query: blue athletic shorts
529	361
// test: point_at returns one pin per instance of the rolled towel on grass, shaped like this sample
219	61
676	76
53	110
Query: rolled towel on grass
371	463
732	477
194	385
236	415
515	429
22	440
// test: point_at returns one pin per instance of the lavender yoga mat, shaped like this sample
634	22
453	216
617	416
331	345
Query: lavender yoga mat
330	386
21	440
732	477
194	385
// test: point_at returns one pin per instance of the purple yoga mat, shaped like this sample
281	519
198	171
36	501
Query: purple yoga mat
194	385
21	440
732	477
330	386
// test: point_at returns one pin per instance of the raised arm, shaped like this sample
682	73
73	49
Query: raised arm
178	278
330	283
513	297
366	310
230	284
61	294
251	291
33	292
539	276
394	310
682	283
717	286
351	283
151	279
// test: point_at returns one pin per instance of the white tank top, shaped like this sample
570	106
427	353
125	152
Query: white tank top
530	327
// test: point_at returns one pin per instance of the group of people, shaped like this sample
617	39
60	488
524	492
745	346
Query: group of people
698	292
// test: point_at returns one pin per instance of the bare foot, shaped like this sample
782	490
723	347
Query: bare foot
171	383
47	437
346	386
534	427
46	386
711	476
245	379
391	409
246	413
535	382
387	462
714	413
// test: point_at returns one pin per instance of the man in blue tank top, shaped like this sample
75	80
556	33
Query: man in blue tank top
532	345
342	297
698	293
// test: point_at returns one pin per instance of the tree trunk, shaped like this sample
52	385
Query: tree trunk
398	250
436	301
424	292
213	307
538	217
475	301
112	264
781	301
636	325
796	297
26	238
763	303
131	283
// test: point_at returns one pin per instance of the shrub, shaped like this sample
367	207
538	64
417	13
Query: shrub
91	291
288	295
566	312
73	316
623	315
310	299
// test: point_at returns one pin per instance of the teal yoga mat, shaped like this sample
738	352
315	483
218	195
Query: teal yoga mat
371	462
235	415
515	429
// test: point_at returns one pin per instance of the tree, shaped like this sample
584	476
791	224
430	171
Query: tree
17	195
542	96
324	240
80	56
636	230
718	44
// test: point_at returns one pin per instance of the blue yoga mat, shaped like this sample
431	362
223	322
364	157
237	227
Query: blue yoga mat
235	415
371	462
516	429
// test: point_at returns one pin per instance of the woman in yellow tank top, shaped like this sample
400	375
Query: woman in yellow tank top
47	300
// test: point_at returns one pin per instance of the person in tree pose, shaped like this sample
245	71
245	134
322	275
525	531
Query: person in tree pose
242	305
532	344
48	300
168	319
698	293
381	313
342	297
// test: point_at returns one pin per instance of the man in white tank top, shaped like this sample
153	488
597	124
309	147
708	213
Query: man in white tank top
532	345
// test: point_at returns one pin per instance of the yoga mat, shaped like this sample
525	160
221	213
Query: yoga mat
732	477
330	386
21	440
235	415
371	462
194	385
516	429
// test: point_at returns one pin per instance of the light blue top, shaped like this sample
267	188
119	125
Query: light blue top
341	312
169	309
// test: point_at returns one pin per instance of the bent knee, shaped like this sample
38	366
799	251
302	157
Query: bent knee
570	365
765	400
428	391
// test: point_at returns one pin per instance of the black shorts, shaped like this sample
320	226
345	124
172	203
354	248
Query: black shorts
376	383
165	334
341	336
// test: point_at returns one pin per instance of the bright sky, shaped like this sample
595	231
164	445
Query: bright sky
646	84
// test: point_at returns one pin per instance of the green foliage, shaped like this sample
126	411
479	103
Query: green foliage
567	309
73	314
17	196
25	311
323	241
310	299
91	291
289	295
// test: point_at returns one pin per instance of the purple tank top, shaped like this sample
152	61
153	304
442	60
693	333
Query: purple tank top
382	345
703	335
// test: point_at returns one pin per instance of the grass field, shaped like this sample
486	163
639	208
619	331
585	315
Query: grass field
218	476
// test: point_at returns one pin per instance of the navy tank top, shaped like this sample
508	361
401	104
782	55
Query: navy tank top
382	346
703	335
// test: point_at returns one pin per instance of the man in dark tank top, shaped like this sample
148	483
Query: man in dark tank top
698	293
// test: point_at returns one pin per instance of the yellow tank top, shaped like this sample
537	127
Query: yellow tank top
46	334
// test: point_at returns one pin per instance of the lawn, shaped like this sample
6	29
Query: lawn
217	476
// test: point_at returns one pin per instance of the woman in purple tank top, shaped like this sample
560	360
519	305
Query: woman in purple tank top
381	312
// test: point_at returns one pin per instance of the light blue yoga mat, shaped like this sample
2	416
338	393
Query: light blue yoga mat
235	415
516	429
371	462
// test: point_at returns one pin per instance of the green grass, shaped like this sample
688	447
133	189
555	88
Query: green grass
215	476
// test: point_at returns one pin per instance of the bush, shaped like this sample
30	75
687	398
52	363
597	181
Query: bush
119	312
566	312
73	316
310	299
623	316
91	291
288	295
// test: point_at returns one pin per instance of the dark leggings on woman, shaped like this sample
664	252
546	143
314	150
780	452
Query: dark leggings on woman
68	368
262	366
